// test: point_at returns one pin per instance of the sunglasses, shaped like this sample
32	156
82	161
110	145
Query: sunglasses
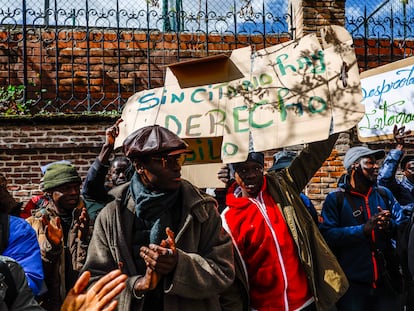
171	161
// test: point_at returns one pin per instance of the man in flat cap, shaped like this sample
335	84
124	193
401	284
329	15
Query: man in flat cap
359	221
284	256
63	232
162	231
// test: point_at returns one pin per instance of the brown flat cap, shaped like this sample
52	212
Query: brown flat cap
153	139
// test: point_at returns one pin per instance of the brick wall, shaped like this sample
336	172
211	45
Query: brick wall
25	146
320	13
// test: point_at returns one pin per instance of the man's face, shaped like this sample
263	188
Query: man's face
249	176
409	171
118	172
369	168
161	173
66	197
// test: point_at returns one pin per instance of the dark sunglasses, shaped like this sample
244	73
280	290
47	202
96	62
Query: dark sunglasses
171	161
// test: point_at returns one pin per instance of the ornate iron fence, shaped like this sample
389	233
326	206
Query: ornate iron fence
383	31
92	55
380	19
88	56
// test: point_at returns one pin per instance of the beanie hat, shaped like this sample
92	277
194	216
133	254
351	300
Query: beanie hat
151	140
58	174
356	153
44	167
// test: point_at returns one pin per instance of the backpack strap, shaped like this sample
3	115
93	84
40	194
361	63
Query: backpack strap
339	196
4	231
11	292
356	211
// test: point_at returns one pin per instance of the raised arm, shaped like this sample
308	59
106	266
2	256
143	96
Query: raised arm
310	159
386	176
94	184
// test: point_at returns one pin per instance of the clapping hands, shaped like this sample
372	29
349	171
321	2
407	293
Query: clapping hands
380	221
81	224
160	260
53	229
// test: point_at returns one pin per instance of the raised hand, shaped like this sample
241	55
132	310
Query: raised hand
3	182
53	229
400	134
112	132
81	224
99	297
224	174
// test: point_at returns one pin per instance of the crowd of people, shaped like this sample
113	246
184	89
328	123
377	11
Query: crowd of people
134	235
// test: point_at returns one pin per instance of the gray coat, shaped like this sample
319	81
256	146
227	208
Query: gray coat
205	255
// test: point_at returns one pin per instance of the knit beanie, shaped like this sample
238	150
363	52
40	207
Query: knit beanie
59	174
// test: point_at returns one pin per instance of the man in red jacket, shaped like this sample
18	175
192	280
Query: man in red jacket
276	237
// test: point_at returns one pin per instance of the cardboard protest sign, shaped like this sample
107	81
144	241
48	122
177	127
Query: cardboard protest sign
292	93
388	96
203	175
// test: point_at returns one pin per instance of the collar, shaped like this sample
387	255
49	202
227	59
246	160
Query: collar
237	190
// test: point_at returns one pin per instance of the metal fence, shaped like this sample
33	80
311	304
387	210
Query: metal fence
383	31
40	43
392	19
43	40
167	15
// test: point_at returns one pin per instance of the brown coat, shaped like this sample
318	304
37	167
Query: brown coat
62	263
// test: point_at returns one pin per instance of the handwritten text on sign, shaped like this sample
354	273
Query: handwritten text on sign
201	111
389	100
284	98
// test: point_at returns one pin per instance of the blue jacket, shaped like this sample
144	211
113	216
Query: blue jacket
94	185
24	248
403	190
344	234
310	207
94	192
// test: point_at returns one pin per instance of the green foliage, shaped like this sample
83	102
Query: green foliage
12	100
